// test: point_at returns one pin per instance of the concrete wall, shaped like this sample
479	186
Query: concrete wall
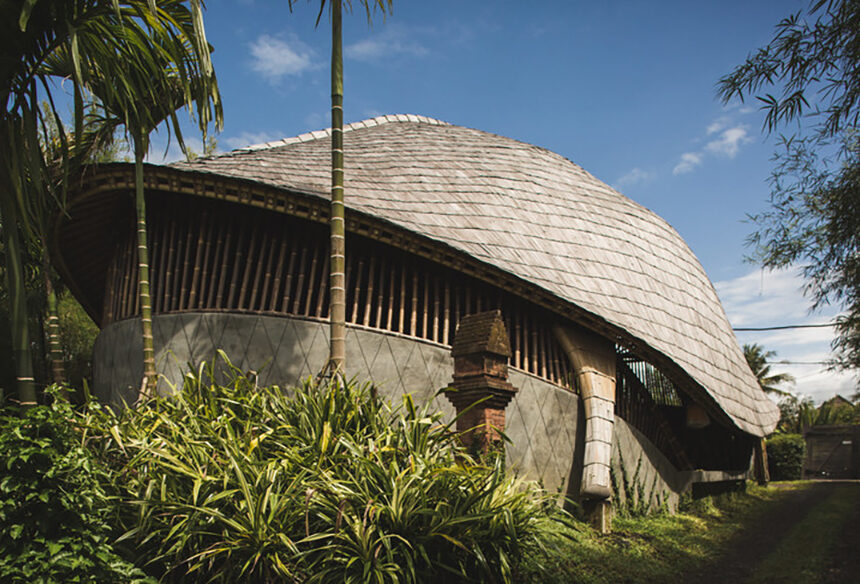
542	421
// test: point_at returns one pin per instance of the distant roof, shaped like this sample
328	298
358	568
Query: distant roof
536	215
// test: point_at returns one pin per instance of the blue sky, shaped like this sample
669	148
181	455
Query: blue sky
625	89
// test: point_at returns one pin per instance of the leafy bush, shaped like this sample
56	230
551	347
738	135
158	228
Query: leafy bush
229	482
53	510
785	454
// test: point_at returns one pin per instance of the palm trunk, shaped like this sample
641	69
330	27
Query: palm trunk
337	357
54	348
148	382
25	383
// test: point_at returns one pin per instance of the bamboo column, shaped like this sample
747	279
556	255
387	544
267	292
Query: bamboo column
337	285
593	359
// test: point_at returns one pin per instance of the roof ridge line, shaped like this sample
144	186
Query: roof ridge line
325	133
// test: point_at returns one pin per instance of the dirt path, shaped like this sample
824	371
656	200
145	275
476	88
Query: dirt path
757	541
845	566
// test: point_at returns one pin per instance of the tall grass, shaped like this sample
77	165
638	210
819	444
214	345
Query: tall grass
230	482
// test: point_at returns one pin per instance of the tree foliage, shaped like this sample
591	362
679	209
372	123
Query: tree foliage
55	514
807	80
757	358
141	59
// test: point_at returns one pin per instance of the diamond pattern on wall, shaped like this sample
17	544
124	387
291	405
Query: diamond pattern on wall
541	420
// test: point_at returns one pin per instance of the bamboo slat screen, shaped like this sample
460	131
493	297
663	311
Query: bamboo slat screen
660	387
635	402
218	256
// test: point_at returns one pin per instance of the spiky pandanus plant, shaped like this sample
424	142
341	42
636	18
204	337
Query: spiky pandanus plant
97	38
337	259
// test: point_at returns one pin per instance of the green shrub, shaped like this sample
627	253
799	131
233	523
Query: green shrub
229	482
785	454
53	510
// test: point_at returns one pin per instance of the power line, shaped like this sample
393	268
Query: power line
782	328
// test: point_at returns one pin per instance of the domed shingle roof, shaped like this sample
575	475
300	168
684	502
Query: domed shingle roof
533	214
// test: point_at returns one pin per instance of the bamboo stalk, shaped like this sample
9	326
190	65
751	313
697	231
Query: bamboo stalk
25	382
543	351
157	251
126	308
337	335
402	308
205	280
556	368
198	256
134	300
172	237
288	285
267	279
436	308
263	259
357	291
300	281
322	286
368	300
413	321
54	345
249	267
426	306
225	266
446	328
517	348
186	267
391	284
380	297
311	281
110	293
467	301
149	373
279	272
456	307
237	265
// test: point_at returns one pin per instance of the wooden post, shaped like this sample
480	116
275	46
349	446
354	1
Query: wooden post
762	475
593	360
480	390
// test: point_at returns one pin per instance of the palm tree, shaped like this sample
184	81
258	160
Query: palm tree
98	43
179	74
757	358
337	259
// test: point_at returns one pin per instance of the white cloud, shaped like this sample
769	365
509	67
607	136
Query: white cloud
726	140
717	125
635	176
390	42
761	299
275	58
764	298
251	138
729	141
689	161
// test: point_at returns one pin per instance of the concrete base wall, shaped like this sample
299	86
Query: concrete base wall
543	420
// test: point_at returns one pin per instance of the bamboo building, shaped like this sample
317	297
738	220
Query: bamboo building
442	222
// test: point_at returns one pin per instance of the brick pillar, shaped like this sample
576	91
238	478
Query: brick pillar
480	390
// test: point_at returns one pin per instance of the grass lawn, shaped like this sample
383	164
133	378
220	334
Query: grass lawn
669	548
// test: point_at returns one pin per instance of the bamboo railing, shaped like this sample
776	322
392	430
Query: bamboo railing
238	259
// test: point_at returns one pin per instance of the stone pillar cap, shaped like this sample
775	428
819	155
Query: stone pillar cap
482	333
